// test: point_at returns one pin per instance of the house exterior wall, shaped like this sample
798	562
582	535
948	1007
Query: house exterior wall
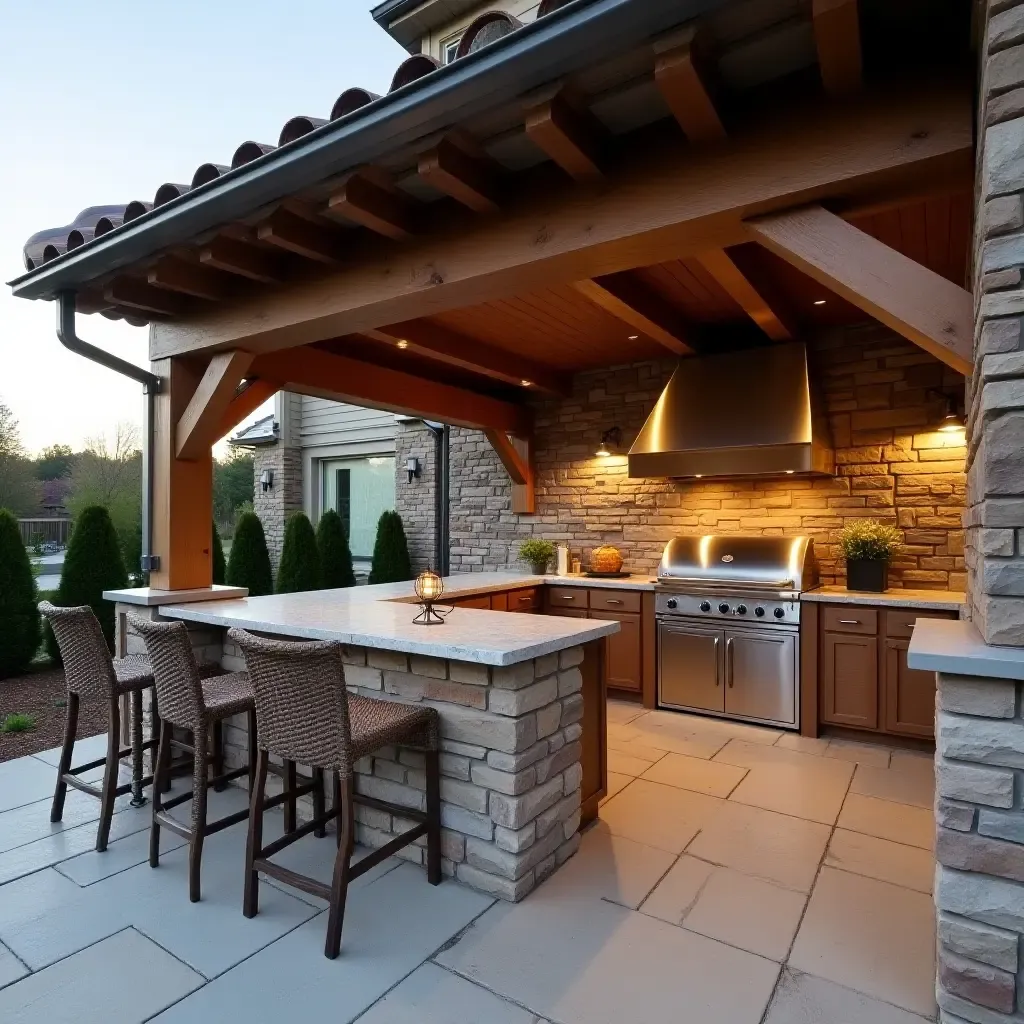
415	501
434	42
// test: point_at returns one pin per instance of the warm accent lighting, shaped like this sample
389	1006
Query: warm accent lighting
633	337
697	476
429	588
789	472
402	344
526	383
819	302
952	422
609	439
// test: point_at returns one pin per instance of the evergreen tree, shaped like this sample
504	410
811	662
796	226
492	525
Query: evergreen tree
391	562
19	620
249	563
93	563
335	555
220	569
300	561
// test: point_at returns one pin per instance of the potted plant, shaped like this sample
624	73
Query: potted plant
868	546
538	553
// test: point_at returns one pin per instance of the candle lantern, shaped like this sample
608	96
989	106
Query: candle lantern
429	588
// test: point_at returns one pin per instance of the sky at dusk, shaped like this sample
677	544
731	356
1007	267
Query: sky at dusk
103	102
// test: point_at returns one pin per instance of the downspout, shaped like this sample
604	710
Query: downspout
442	521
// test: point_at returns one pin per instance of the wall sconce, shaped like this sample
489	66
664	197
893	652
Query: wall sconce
412	467
267	480
429	588
952	421
609	439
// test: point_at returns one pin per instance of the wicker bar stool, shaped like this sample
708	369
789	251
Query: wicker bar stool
92	674
305	714
190	702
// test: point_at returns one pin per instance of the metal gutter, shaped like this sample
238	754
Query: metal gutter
570	39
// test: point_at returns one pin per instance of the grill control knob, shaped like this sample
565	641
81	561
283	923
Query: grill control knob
759	612
705	606
723	608
741	609
779	613
673	603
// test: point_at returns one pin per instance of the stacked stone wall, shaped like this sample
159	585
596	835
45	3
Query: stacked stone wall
415	501
284	497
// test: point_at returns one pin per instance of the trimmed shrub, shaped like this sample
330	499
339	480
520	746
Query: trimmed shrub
220	569
391	562
249	562
335	556
19	620
300	561
92	564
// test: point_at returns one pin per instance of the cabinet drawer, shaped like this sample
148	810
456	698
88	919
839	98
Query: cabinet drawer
524	600
478	601
567	597
615	600
850	618
899	624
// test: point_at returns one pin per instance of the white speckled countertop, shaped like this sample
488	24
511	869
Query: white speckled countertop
379	616
928	600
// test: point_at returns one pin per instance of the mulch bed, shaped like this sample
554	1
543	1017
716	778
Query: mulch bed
43	695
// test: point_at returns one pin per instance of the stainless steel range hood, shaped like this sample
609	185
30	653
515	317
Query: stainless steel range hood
748	413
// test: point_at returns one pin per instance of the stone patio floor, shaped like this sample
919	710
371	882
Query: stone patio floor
737	876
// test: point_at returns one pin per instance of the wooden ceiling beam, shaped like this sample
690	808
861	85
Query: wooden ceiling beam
837	37
569	134
720	266
196	430
471	178
911	299
516	455
188	278
429	339
134	294
292	233
312	371
669	202
248	397
684	78
639	307
370	199
242	260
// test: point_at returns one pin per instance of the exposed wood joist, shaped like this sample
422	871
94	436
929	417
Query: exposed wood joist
235	257
642	309
516	456
684	79
370	199
197	429
668	203
188	278
465	173
837	37
720	266
134	294
294	234
569	133
446	346
911	299
245	402
312	371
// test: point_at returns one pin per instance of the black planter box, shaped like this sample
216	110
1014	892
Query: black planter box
869	575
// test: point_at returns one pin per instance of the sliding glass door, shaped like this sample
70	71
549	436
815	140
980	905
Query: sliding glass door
359	490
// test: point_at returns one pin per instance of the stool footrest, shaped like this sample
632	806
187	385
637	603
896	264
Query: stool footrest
383	852
412	813
293	878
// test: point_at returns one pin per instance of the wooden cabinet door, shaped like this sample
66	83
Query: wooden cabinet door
623	652
849	680
499	601
909	694
479	601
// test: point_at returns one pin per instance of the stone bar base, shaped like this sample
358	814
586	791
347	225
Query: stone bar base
979	890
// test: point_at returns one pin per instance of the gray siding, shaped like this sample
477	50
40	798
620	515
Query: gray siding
322	422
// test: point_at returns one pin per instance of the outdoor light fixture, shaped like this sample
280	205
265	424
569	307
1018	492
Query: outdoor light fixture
402	343
952	421
267	480
429	588
819	302
412	467
526	383
633	337
609	439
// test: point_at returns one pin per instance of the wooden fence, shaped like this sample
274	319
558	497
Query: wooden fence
50	529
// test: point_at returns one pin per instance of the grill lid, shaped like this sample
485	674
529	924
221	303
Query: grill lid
721	561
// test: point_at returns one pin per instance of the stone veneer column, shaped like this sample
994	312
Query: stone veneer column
415	500
285	497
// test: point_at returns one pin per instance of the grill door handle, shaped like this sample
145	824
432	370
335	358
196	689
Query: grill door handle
728	661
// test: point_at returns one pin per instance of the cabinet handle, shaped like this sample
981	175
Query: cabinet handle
612	600
522	599
849	622
728	661
717	680
568	597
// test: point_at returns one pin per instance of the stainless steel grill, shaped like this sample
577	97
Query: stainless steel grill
728	611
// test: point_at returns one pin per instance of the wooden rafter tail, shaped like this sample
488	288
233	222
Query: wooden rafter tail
569	134
188	278
721	267
245	402
369	198
197	429
471	178
685	78
516	455
130	293
242	260
914	301
294	234
837	37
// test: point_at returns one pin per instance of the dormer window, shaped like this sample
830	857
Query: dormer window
450	48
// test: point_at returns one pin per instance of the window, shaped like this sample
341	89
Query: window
359	490
449	48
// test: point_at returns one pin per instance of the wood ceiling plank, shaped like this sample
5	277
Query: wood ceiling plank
197	429
837	37
730	277
914	232
370	199
911	299
188	278
473	179
684	78
937	216
238	258
569	135
287	231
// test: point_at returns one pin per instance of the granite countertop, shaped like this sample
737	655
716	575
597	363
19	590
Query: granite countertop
956	647
929	600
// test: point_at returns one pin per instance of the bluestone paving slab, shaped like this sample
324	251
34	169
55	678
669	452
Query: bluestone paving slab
803	999
124	979
432	995
24	781
11	968
91	867
28	897
391	927
87	748
30	822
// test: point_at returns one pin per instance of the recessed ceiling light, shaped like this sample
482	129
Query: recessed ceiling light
697	476
789	472
526	383
819	302
633	337
403	343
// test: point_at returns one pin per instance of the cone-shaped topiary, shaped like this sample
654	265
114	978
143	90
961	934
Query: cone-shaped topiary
300	560
249	562
220	568
335	555
93	563
391	562
19	620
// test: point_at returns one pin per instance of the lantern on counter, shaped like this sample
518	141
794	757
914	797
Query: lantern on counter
429	588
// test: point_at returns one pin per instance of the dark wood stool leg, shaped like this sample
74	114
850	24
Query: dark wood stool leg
137	771
254	842
253	732
110	772
433	817
337	808
319	801
200	781
290	782
157	731
160	772
339	884
218	756
70	732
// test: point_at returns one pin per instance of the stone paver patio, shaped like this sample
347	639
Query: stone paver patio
737	876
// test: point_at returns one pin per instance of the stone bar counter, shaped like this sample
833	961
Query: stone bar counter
519	696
